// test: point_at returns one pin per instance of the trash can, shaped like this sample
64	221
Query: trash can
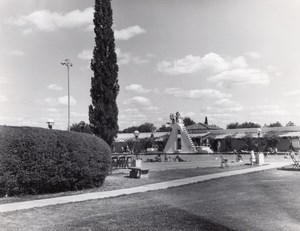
260	158
136	163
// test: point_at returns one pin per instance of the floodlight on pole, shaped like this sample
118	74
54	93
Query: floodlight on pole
50	123
136	134
68	64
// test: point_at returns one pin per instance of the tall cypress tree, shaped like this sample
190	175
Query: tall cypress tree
103	113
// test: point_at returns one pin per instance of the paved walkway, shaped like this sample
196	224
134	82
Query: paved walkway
146	188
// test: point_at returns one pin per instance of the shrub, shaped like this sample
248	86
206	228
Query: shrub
37	161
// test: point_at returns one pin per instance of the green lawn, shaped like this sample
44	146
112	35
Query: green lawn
267	200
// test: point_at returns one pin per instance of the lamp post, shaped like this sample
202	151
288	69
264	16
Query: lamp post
258	138
258	132
50	123
136	135
81	125
68	64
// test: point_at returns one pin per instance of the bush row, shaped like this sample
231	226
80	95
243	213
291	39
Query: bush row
38	161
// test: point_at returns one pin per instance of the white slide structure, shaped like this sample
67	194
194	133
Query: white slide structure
179	140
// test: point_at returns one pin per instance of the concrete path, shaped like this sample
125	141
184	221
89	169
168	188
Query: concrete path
146	188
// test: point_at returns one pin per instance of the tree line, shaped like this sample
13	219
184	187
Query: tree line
149	127
236	125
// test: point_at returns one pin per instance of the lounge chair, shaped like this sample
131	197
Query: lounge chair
296	163
179	159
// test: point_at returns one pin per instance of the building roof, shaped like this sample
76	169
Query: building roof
254	132
202	130
124	137
200	127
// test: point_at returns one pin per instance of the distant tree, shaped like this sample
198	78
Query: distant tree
232	125
130	129
250	143
206	121
277	124
145	127
188	121
164	128
290	124
81	127
249	125
243	125
103	112
271	140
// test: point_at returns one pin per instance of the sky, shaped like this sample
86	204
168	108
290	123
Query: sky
229	60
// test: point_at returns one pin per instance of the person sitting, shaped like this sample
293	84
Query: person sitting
239	157
167	159
179	159
157	158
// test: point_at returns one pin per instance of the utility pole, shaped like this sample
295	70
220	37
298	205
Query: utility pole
68	64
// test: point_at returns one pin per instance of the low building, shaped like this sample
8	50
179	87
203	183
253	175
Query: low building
231	139
125	141
203	135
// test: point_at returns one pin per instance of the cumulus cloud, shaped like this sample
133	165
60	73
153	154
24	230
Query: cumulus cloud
137	88
267	110
85	54
292	93
240	77
16	53
140	104
44	20
239	62
132	110
64	100
52	102
52	109
151	108
227	105
192	64
3	98
195	94
126	58
131	114
3	79
188	114
26	31
129	32
224	72
253	54
54	87
79	114
140	100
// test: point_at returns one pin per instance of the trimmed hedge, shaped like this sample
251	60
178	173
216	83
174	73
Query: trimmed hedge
38	161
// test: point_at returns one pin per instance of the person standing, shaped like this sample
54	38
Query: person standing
252	157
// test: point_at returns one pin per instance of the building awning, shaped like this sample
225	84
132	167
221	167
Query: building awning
290	134
198	135
221	136
125	137
239	135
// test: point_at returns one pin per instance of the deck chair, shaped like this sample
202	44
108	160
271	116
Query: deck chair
224	162
296	163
